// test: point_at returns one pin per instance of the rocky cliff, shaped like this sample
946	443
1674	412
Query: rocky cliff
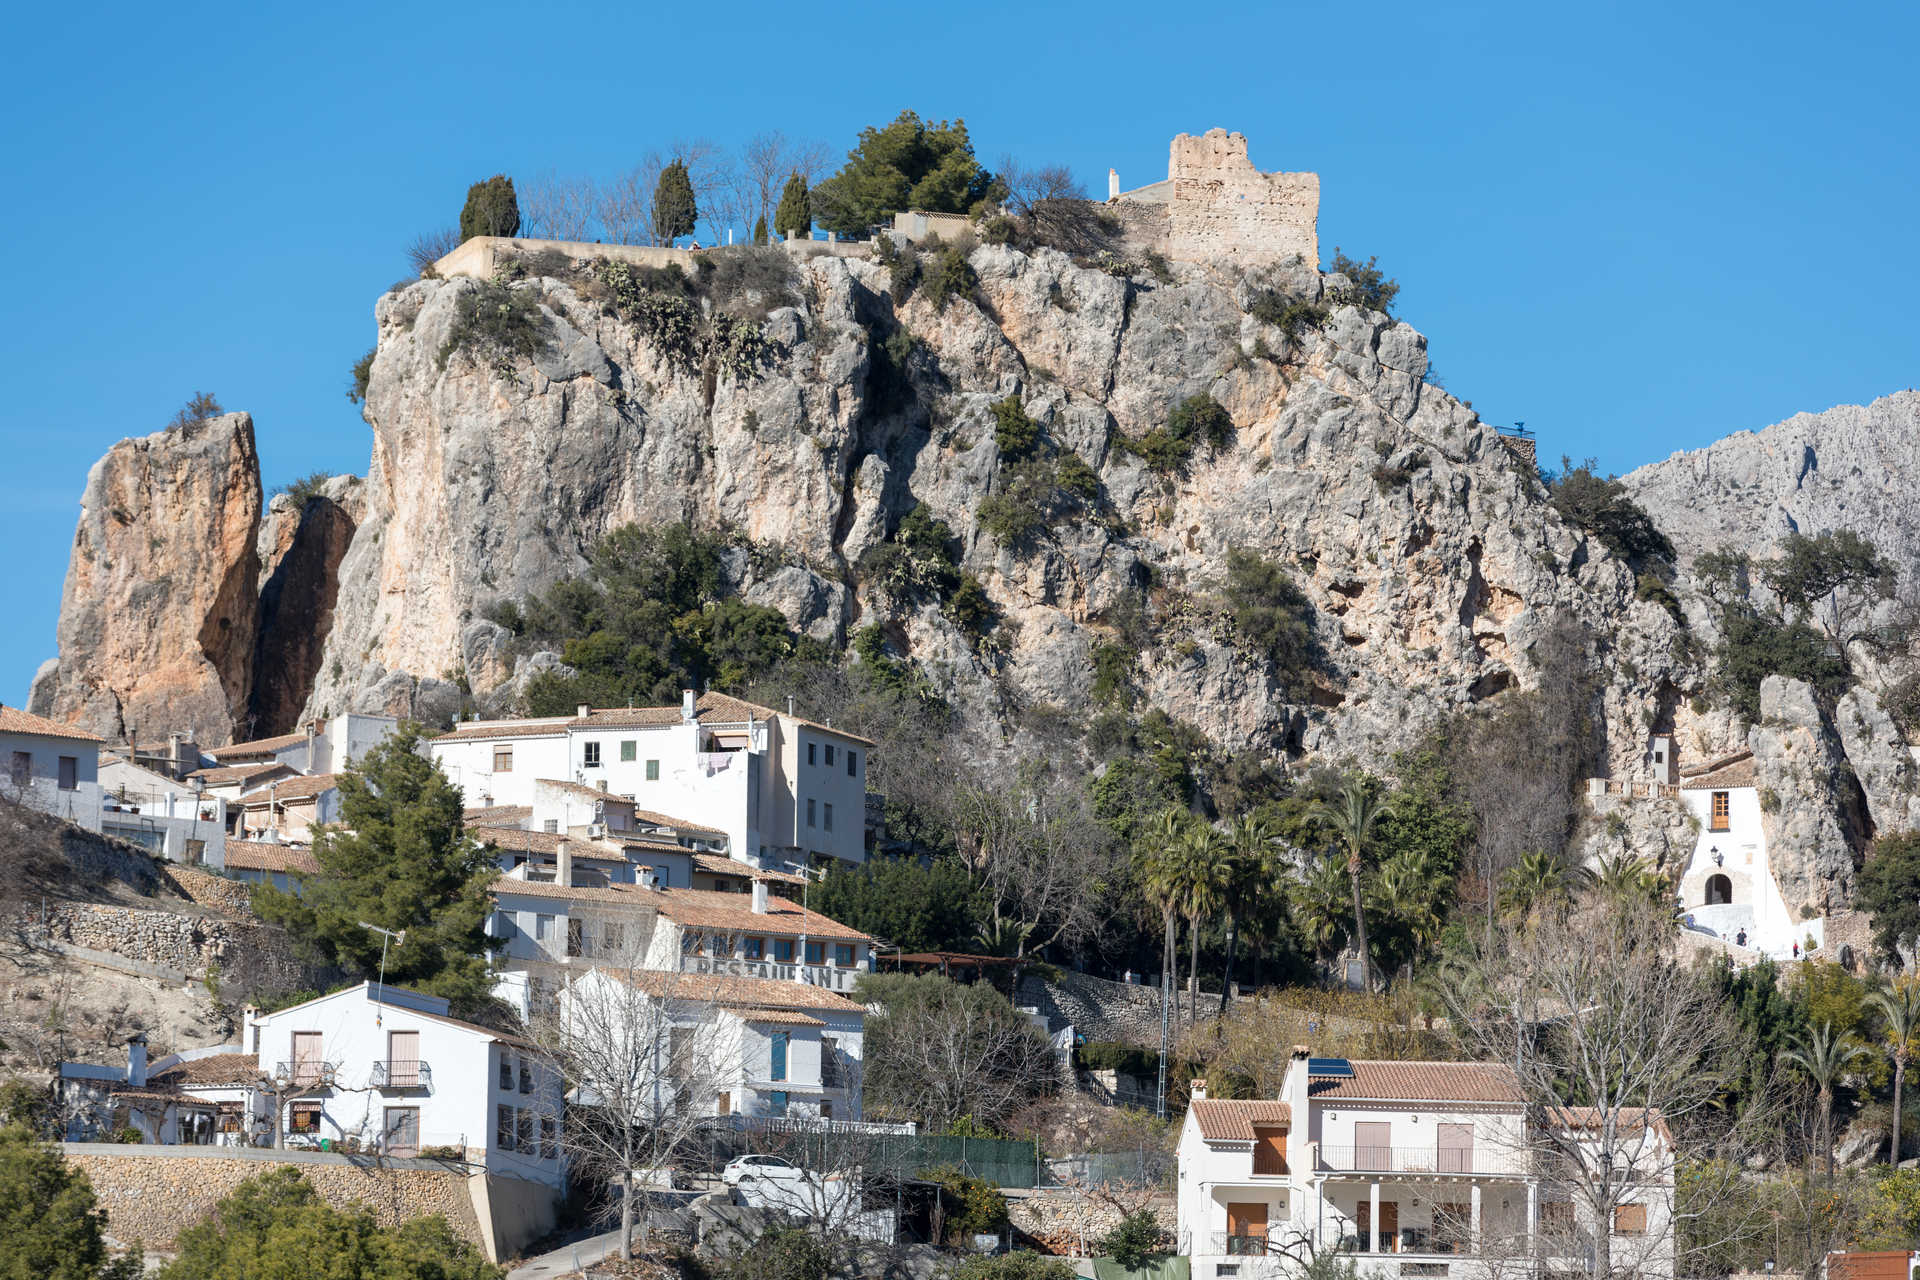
1428	553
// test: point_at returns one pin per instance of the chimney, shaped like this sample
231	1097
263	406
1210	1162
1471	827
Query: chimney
563	859
583	708
313	765
790	704
137	1062
1301	1051
687	698
1113	184
759	897
1197	1089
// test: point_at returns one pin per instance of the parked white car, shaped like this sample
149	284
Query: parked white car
750	1167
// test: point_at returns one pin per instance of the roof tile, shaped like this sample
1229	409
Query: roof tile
258	855
14	720
1422	1082
1227	1120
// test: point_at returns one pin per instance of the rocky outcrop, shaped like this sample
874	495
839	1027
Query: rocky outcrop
1812	810
1851	467
159	616
300	549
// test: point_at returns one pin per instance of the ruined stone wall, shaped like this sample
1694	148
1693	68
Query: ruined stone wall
1223	207
152	1195
182	944
229	897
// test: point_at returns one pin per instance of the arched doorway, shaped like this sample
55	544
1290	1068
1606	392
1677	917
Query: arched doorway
1719	890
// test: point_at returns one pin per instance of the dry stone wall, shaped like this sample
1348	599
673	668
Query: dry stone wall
151	1196
179	943
230	897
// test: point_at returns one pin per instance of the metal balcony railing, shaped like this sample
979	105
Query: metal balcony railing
307	1073
395	1073
1377	1159
1238	1244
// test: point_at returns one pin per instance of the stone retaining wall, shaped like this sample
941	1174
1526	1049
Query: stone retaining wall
1059	1220
187	944
231	897
1101	1009
150	1197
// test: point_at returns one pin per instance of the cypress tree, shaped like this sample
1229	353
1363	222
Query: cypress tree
491	209
760	229
795	214
674	210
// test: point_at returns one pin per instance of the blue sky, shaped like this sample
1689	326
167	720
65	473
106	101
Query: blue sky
1635	227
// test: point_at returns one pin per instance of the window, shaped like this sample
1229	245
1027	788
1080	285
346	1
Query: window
1270	1151
69	773
1720	810
616	938
526	1076
852	762
829	755
503	759
809	811
576	937
551	826
810	759
549	1138
753	948
506	1071
403	1059
402	1129
542	928
21	768
307	1060
723	1105
523	1132
777	1103
230	1118
843	954
777	1044
653	771
626	750
503	1127
590	755
783	950
829	818
816	953
1630	1219
826	1111
303	1117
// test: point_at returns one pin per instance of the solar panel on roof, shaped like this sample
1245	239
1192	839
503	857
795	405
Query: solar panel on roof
1330	1068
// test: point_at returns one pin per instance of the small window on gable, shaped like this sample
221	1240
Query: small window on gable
810	748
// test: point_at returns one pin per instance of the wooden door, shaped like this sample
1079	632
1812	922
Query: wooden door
1363	1224
1456	1148
1246	1222
403	1059
1389	1226
306	1056
1371	1145
1270	1151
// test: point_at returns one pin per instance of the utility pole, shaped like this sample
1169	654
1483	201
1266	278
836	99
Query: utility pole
398	936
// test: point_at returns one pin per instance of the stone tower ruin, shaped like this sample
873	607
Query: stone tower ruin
1215	205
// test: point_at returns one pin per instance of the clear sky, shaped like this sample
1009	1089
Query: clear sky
1634	227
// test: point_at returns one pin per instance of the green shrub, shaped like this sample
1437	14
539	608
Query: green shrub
675	211
361	374
748	281
498	323
1113	675
1272	618
903	267
1371	288
1028	503
1650	586
1110	1055
1599	505
794	216
306	488
1194	421
1754	646
200	406
918	562
492	209
1136	1241
975	1206
1289	314
1077	478
908	163
1014	433
1902	702
951	276
1019	1264
129	1135
971	609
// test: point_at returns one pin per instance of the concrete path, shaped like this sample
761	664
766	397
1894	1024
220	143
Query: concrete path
568	1259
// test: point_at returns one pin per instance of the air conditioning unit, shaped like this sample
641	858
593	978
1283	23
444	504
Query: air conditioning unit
596	831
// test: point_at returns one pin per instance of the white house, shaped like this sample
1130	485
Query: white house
1728	888
200	1097
179	822
759	1047
270	862
1415	1168
388	1069
51	766
323	746
552	928
288	808
767	787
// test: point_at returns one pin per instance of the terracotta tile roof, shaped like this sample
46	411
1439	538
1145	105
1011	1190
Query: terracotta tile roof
1737	770
258	855
734	913
626	895
520	840
1225	1120
719	864
735	990
516	838
629	718
302	786
719	707
1631	1119
1423	1082
650	818
499	815
784	1017
583	791
259	746
228	774
1710	766
14	720
214	1069
474	730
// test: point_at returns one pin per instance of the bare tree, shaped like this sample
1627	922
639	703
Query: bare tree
430	246
556	208
624	205
769	159
939	1051
643	1051
1624	1060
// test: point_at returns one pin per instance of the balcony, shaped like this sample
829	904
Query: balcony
1423	1160
306	1073
402	1074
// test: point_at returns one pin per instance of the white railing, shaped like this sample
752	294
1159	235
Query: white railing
1385	1159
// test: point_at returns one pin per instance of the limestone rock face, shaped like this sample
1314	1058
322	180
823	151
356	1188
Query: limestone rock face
1851	467
300	549
1812	810
158	619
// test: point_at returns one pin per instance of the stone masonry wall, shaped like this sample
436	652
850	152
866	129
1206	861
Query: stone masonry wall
230	897
152	1197
187	944
1223	207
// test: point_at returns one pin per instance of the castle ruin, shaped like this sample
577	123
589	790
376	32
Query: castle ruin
1215	205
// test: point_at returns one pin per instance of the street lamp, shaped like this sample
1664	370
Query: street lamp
396	936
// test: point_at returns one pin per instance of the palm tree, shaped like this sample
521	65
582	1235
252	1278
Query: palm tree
1539	883
1899	1006
1406	894
1625	877
1250	872
1320	904
1204	882
1824	1059
1353	820
1160	874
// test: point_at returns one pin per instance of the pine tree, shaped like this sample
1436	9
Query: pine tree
491	210
50	1222
760	229
400	858
795	214
674	210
